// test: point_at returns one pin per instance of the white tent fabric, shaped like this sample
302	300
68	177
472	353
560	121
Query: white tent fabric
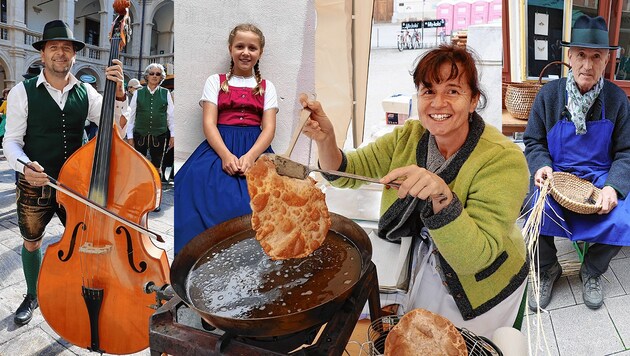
342	52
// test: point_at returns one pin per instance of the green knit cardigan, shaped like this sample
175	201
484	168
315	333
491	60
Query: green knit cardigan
481	250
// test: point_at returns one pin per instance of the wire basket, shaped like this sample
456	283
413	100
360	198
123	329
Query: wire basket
380	328
575	194
519	97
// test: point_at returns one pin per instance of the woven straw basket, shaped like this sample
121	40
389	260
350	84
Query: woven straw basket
519	97
575	194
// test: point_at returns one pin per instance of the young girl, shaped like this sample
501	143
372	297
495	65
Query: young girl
239	122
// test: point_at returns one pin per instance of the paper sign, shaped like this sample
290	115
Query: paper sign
541	24
540	50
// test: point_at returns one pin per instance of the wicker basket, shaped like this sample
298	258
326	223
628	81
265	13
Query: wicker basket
575	194
380	328
519	97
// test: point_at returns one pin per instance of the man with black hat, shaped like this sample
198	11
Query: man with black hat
46	116
32	71
580	124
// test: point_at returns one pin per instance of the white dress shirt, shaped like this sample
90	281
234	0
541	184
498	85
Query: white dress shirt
131	112
17	114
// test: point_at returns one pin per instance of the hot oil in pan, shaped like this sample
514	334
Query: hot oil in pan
236	279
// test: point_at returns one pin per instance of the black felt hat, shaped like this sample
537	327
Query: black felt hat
589	32
32	71
57	30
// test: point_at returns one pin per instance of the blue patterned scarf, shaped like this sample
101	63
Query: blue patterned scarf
578	104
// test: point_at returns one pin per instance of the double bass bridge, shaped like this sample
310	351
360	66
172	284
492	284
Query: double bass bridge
89	248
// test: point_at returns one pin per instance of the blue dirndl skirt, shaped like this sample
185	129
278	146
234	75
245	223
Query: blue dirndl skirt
204	194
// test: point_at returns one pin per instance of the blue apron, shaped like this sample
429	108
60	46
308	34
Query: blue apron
588	156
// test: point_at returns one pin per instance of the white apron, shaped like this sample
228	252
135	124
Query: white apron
428	292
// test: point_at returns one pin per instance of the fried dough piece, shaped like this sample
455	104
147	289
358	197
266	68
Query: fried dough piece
421	332
289	215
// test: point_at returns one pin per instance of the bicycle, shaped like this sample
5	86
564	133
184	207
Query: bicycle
403	40
416	39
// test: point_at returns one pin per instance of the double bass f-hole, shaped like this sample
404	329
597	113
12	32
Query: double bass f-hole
142	264
73	241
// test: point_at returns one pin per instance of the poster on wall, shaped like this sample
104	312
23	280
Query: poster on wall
540	50
541	24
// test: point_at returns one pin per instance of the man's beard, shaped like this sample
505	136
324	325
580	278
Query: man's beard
65	69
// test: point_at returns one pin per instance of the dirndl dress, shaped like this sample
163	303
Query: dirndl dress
205	195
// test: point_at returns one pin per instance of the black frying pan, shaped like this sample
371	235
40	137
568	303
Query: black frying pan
284	322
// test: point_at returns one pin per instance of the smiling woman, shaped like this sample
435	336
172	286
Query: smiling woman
463	186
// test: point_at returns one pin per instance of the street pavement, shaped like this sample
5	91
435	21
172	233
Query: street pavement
37	337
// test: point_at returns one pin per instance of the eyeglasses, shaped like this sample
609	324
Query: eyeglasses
155	73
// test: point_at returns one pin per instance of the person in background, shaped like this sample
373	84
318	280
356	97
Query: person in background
462	184
579	124
150	123
239	122
3	111
132	86
32	71
43	112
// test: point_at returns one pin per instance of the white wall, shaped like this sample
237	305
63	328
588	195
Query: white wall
201	50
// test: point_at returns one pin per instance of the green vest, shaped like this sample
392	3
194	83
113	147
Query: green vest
151	112
53	134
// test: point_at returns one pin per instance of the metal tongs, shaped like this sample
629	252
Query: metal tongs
287	167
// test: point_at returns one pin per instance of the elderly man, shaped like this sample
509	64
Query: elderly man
45	120
150	124
579	124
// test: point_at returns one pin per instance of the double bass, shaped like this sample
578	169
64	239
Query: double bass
93	281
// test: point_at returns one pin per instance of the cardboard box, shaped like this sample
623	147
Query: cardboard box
397	108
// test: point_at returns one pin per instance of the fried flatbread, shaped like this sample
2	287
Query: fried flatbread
421	332
289	215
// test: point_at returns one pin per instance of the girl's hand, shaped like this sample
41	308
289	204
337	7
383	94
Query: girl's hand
246	162
230	164
421	183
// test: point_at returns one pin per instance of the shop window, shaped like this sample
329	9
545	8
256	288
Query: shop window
544	33
622	57
3	11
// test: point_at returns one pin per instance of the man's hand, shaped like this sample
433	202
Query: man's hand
115	74
171	142
607	199
36	176
541	175
130	141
